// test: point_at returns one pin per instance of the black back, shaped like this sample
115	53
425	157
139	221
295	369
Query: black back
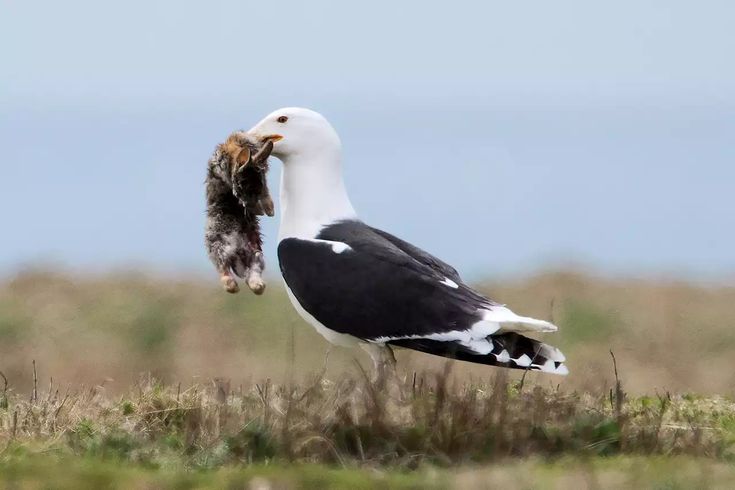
380	287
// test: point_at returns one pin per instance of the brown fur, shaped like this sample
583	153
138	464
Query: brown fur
237	193
236	150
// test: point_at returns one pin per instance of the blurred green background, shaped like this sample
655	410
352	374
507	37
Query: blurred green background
111	328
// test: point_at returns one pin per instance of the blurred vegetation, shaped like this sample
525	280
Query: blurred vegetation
25	471
586	322
22	470
109	329
153	382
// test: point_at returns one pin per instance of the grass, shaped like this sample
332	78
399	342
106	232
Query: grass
25	471
423	432
636	472
37	471
111	328
426	419
150	383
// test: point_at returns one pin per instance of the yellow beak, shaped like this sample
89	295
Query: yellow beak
271	137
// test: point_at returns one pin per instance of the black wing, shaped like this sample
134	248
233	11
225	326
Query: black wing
421	255
376	288
360	281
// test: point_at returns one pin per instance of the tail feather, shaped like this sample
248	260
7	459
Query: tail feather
511	322
510	350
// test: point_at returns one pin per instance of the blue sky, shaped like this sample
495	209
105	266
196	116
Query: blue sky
504	138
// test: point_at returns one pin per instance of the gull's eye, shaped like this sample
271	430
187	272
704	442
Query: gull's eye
282	119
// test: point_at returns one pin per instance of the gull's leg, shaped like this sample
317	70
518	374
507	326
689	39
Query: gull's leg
384	362
389	359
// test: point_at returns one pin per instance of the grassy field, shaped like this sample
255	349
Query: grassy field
110	329
610	473
130	381
427	432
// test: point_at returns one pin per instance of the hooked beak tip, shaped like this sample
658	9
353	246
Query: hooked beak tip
271	137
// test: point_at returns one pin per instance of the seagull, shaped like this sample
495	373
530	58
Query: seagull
359	285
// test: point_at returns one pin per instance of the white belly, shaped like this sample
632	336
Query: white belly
336	338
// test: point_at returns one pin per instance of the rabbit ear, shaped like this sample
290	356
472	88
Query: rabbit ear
263	153
243	156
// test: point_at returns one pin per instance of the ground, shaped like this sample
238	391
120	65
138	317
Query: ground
428	431
140	382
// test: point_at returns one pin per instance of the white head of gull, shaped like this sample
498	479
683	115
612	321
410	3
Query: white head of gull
313	193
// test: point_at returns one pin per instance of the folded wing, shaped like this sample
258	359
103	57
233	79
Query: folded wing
360	281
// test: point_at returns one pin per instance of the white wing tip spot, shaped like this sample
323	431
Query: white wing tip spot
523	361
480	346
449	282
551	367
562	369
548	367
339	247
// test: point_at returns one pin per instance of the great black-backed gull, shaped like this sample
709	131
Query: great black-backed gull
360	285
